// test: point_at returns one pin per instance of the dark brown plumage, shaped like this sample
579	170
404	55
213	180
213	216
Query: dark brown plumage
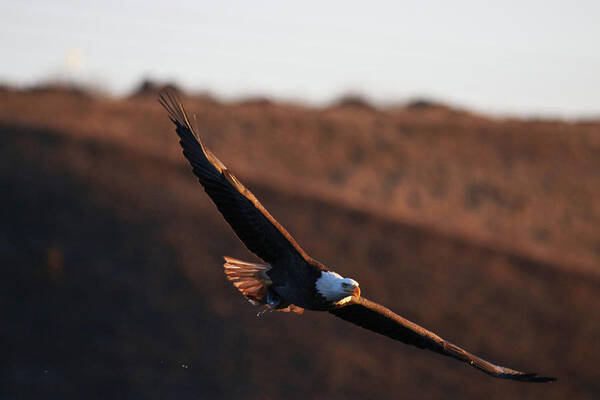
378	318
253	224
292	271
290	281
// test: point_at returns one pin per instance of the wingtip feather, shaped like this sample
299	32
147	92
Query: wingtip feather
534	377
170	102
527	377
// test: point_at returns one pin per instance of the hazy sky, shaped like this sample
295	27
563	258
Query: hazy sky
508	57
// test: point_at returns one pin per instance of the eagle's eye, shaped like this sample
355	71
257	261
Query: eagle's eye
345	285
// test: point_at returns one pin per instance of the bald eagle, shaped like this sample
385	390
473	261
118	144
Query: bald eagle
290	280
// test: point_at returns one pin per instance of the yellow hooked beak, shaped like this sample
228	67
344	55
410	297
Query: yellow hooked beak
356	291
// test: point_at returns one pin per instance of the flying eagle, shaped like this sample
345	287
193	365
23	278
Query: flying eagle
291	280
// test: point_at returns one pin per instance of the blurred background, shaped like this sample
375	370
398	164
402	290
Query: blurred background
446	156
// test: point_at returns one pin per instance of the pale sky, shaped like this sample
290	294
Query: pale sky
532	58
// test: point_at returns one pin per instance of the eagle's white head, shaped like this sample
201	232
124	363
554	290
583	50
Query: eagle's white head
333	287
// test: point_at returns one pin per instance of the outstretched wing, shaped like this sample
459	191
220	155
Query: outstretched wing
378	318
252	223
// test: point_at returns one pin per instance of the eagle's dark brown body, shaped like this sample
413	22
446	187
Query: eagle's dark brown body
295	283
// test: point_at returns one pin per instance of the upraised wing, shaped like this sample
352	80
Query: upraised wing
252	223
378	318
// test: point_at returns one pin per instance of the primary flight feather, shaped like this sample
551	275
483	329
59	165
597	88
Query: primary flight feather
291	280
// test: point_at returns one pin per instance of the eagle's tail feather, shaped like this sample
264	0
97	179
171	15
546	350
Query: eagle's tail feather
249	278
252	281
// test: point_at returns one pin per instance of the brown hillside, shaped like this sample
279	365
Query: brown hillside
484	231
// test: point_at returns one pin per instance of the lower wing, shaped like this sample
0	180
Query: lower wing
377	318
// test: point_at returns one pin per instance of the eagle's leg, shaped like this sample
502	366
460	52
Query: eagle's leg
272	300
263	310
